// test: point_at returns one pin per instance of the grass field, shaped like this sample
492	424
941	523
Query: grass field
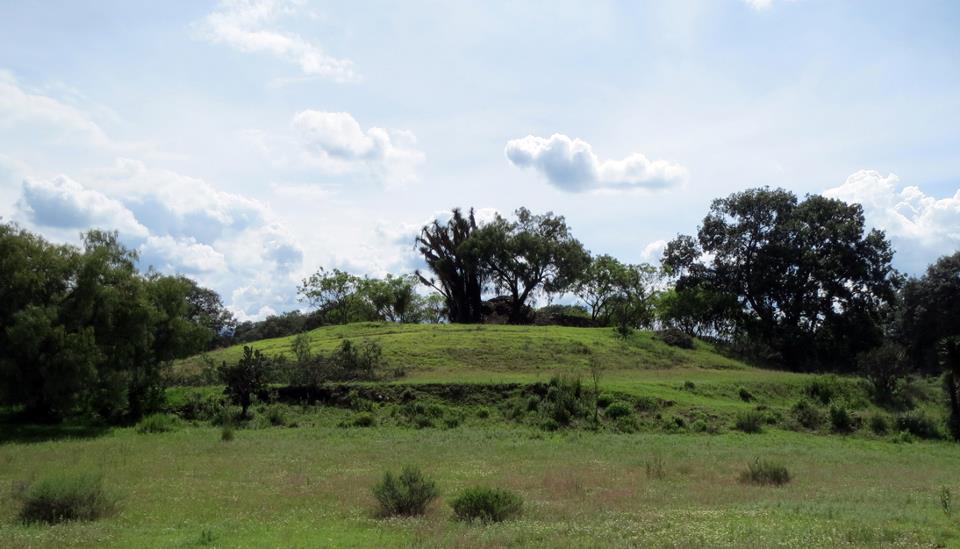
308	483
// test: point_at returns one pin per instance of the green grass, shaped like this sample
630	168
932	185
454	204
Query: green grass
310	486
654	477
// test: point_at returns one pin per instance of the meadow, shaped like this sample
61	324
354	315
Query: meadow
300	474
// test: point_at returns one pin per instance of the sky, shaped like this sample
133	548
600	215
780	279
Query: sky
247	143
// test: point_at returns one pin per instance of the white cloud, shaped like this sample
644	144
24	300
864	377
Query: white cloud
63	203
247	26
921	227
571	165
339	144
169	254
759	4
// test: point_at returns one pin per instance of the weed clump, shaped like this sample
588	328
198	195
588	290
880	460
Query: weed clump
65	497
407	494
675	337
745	395
618	409
364	419
879	424
157	423
226	432
765	473
807	414
841	421
750	422
563	401
919	425
487	505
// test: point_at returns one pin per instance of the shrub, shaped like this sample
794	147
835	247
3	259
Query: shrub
226	432
764	473
745	395
618	409
918	424
676	338
750	422
824	389
879	424
483	413
246	378
406	495
604	400
157	423
689	386
276	416
487	505
884	367
840	420
357	362
65	497
807	414
563	400
364	419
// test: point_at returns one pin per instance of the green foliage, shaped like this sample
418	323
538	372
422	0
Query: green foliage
275	415
607	285
744	394
884	367
675	338
841	421
487	505
364	419
809	279
696	311
227	432
563	401
950	361
618	409
750	422
824	389
930	313
605	399
157	423
301	348
946	500
334	294
450	257
879	424
83	331
357	362
245	379
65	497
408	494
918	424
765	473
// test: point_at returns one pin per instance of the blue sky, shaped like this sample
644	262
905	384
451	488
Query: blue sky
247	143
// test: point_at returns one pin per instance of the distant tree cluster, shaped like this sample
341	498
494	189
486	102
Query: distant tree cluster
84	332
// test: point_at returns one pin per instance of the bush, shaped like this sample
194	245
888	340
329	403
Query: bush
364	419
157	423
487	505
245	379
618	409
226	432
406	495
750	422
841	421
745	395
824	389
675	338
763	472
604	400
65	497
563	400
884	367
918	424
276	416
879	424
357	362
807	415
483	413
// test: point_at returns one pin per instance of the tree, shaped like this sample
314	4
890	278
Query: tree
433	308
884	367
698	311
245	379
332	292
83	330
534	253
457	275
950	361
810	283
930	312
393	298
206	309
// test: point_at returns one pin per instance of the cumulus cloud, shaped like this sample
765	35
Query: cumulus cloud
250	26
653	251
920	226
571	165
337	140
63	203
170	254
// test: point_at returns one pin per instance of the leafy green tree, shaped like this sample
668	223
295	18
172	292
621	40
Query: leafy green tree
950	361
884	367
432	308
456	271
206	309
698	311
930	312
608	287
334	293
534	253
245	379
393	298
810	282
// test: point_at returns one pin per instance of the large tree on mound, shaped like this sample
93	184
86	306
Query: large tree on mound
457	274
810	283
533	253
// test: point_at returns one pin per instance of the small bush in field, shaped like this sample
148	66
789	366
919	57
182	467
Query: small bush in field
364	419
750	422
276	416
745	395
675	338
918	424
618	409
487	505
407	494
483	413
765	473
604	400
226	432
157	423
841	421
807	414
65	497
879	424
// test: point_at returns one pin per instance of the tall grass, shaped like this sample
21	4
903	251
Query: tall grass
65	497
